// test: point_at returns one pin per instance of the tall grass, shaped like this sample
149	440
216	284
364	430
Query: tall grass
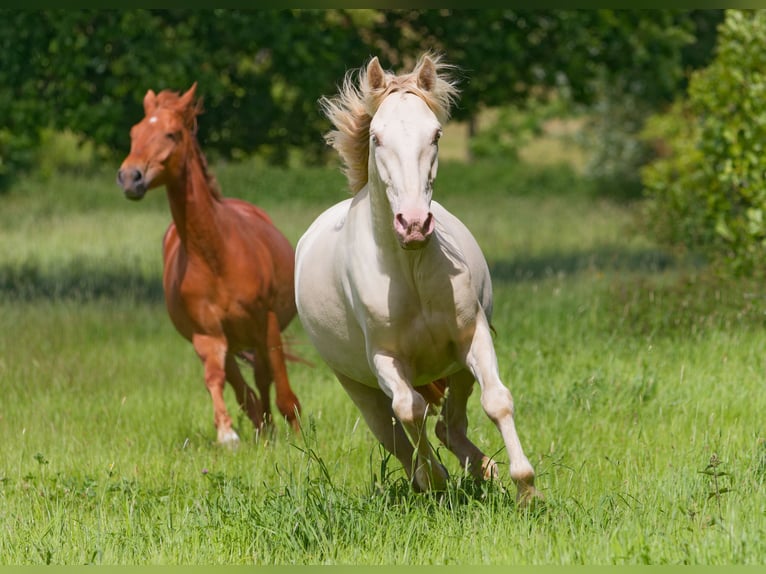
637	378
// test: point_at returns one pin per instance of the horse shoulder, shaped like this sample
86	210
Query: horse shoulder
462	248
319	242
321	287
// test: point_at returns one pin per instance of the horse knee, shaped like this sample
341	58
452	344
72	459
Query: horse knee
410	408
215	379
498	403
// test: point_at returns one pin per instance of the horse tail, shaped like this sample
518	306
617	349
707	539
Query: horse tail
249	357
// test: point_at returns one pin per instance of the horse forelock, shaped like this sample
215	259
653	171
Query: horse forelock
353	108
173	101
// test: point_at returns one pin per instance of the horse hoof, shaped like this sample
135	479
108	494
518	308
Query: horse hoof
489	469
228	438
528	498
296	425
433	478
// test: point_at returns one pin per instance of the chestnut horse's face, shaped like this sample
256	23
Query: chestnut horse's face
157	144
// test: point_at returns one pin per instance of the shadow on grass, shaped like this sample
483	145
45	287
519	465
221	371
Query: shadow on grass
78	281
86	280
599	260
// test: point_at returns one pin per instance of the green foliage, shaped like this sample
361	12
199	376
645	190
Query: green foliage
508	55
616	151
646	62
619	65
63	152
261	72
512	128
710	193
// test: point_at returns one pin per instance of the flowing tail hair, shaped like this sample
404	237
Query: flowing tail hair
248	355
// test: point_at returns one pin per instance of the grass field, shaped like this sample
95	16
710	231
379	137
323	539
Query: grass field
638	382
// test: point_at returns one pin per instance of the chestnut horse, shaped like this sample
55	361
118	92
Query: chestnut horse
228	271
394	291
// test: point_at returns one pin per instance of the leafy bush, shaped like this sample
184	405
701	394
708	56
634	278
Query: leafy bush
708	192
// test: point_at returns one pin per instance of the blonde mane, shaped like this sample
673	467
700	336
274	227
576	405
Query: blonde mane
353	108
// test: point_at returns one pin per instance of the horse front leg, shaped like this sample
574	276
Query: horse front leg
497	402
375	407
411	409
212	352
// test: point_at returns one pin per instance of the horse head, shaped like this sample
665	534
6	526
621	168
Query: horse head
158	143
403	148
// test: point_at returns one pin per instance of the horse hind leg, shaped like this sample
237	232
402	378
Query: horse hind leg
246	398
286	401
212	351
262	376
452	426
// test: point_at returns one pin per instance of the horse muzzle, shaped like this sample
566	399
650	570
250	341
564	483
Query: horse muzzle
132	182
413	233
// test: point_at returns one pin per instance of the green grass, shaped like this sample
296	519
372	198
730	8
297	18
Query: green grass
630	370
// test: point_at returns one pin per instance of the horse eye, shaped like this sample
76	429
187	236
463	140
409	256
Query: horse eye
437	136
374	139
174	136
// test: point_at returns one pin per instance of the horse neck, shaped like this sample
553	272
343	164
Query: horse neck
194	206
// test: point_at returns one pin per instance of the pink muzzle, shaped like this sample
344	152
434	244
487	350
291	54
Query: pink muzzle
415	231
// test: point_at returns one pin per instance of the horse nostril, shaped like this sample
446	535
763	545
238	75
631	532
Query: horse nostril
130	178
402	223
428	223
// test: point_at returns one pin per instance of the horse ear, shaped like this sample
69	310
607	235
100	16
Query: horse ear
188	97
150	102
189	108
375	74
427	74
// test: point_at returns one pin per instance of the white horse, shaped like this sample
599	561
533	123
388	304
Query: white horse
393	290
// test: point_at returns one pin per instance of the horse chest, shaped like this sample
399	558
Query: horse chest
201	302
418	321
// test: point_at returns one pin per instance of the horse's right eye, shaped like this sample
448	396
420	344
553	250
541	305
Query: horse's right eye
174	136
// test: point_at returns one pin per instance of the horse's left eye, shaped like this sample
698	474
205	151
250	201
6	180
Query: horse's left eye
174	136
374	139
437	136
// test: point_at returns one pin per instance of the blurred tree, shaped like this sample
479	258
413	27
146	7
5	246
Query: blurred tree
261	71
507	55
620	64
